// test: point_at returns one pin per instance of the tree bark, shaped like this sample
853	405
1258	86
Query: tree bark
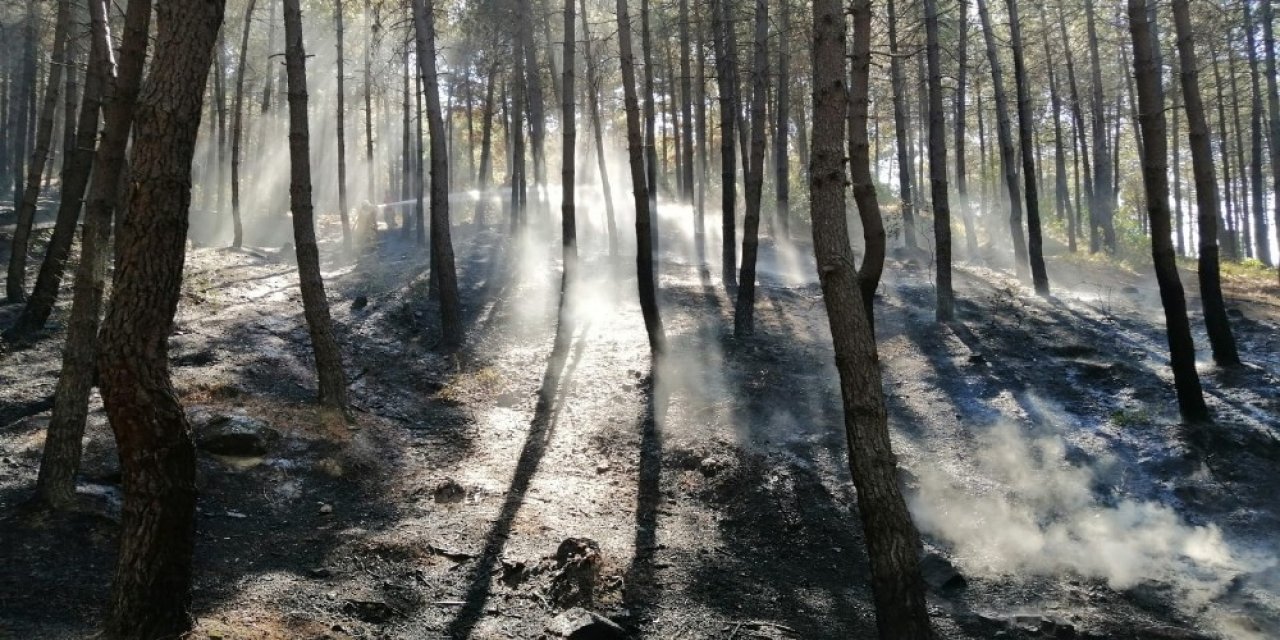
1061	196
726	79
744	306
1102	208
568	183
237	127
650	114
635	149
486	148
1226	233
28	192
893	544
962	186
945	310
900	128
1005	137
861	177
1027	140
1273	103
1079	135
593	104
442	263
686	104
151	596
1156	181
782	118
1262	241
339	119
332	380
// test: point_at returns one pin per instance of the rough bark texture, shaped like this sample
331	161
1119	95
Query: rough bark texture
726	76
1005	136
28	191
486	149
900	127
962	186
1273	104
151	595
442	263
1103	206
237	127
864	186
892	541
332	380
1215	311
945	309
635	151
60	461
1026	137
1156	180
782	118
568	184
686	105
339	118
744	305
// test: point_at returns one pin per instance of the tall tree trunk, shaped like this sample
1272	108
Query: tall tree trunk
442	263
568	182
1261	240
28	192
332	380
1245	177
938	168
1178	235
407	170
533	98
1079	136
1226	232
650	113
339	120
76	164
1156	180
486	148
370	191
704	166
744	307
1061	197
1027	140
55	484
645	277
962	186
893	544
782	162
1102	207
1005	137
900	127
1273	103
151	595
597	127
1215	311
220	94
686	105
861	177
726	79
519	194
237	126
271	43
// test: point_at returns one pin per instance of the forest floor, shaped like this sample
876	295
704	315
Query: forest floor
1042	454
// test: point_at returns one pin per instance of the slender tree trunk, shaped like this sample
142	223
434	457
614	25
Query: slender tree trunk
533	98
151	595
419	176
28	192
1226	233
726	78
597	127
55	484
220	94
635	148
1215	311
1245	176
901	127
744	307
486	148
1102	207
938	168
864	186
518	192
339	120
782	162
1176	156
237	127
962	187
370	191
271	43
1031	178
1079	136
1061	197
893	544
704	171
1007	159
1156	180
1260	237
407	171
1273	103
332	380
686	105
442	263
650	114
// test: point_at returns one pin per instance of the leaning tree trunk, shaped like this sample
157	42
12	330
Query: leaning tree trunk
1026	137
864	186
29	193
639	186
1215	311
744	306
442	264
332	380
237	127
900	128
726	79
1005	137
945	310
893	544
1156	180
593	104
151	595
55	484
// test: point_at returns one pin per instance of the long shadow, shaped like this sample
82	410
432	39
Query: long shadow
561	365
639	590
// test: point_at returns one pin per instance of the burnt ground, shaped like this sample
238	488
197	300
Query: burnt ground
1041	451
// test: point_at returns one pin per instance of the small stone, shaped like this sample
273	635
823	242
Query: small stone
602	467
232	434
326	509
580	624
359	303
449	491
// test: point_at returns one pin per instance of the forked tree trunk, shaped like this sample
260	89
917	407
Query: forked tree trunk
151	594
945	309
60	462
442	263
237	127
893	544
28	192
744	306
1026	137
1079	134
332	380
1215	311
864	186
1156	181
639	185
